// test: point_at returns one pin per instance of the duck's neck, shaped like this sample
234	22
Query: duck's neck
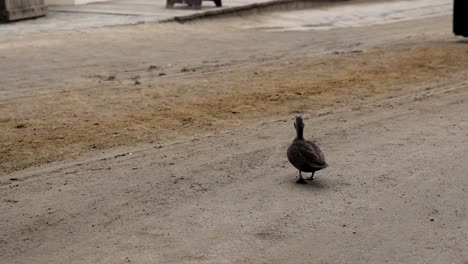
300	133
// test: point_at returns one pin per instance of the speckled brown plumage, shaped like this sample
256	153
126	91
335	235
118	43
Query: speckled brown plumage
305	155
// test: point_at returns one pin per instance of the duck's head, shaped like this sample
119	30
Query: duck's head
299	124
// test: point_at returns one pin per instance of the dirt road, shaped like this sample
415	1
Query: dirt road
142	148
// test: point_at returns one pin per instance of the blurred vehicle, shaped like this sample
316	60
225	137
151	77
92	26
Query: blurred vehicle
460	17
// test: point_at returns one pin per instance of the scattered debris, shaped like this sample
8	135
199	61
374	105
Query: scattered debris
186	69
349	51
325	113
123	155
179	179
96	169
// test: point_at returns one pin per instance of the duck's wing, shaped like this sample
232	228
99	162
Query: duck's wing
313	154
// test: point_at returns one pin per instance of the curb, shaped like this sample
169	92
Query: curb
272	5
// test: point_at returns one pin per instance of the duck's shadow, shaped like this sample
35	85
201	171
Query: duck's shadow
316	184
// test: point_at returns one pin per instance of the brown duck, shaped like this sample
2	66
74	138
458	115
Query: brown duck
305	155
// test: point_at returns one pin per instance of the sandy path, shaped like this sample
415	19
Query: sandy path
190	167
63	105
231	197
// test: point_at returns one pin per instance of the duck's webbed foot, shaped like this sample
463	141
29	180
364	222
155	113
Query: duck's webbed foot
301	180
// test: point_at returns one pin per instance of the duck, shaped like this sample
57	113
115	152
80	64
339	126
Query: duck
305	155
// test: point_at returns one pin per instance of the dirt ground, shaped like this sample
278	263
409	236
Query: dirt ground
166	144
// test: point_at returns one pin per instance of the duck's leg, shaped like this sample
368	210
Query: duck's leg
311	177
301	180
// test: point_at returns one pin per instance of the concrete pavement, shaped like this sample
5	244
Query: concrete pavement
112	13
